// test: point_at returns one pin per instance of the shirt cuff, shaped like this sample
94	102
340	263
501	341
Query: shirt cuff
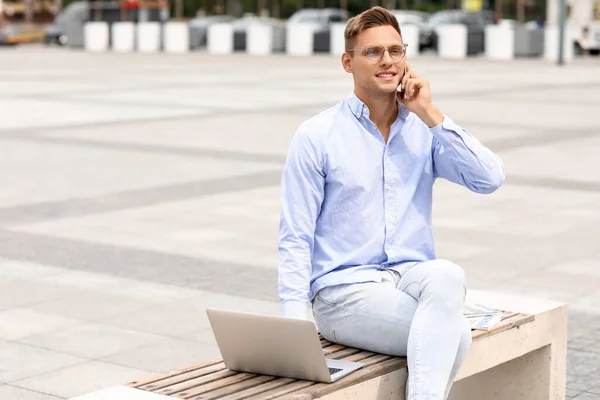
294	309
446	125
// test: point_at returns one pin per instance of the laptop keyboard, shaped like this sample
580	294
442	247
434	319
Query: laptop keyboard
334	370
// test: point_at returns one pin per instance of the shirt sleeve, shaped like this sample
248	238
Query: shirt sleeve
461	158
302	191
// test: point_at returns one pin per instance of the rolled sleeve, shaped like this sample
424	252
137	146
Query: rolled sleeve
461	158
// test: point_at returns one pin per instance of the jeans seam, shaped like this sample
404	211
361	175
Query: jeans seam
409	285
417	357
328	325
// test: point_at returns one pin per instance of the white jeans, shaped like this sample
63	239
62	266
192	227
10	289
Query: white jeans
417	313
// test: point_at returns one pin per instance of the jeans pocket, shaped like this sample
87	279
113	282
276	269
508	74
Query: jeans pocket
324	328
333	295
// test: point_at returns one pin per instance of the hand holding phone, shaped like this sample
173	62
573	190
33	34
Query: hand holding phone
400	88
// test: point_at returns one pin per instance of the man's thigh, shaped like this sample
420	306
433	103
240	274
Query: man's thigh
369	316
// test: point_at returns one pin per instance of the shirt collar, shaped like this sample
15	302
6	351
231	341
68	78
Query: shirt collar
359	108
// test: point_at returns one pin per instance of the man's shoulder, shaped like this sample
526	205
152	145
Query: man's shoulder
319	125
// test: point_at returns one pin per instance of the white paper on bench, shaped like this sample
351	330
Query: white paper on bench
122	393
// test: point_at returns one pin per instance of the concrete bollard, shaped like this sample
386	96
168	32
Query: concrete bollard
96	36
499	42
300	39
148	37
529	42
551	35
410	36
259	39
123	37
176	37
220	38
452	41
338	43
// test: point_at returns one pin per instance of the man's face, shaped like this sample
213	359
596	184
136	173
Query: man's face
376	71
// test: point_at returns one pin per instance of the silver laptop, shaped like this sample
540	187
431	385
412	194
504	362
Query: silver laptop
277	346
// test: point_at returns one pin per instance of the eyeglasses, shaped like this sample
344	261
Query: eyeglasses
375	52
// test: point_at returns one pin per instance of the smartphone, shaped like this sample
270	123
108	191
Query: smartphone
400	89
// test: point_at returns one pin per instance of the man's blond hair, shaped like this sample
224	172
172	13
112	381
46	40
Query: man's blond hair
376	16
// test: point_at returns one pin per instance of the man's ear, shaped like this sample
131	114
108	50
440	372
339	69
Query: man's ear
347	62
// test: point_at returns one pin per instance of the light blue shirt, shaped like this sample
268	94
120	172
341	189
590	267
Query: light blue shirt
352	205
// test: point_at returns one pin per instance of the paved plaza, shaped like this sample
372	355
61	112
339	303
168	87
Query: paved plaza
137	190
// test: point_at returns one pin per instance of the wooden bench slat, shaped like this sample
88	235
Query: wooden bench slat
157	378
345	352
348	354
361	375
297	386
218	384
333	349
359	356
189	384
184	376
228	391
265	387
282	391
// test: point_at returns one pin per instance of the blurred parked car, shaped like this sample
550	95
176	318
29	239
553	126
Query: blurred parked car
73	14
199	28
474	21
68	24
322	18
418	18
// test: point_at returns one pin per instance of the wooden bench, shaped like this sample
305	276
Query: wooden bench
523	357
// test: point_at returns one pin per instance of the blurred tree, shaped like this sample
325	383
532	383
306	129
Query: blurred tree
288	7
276	9
178	4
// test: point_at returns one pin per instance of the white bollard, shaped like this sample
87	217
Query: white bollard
300	39
499	42
410	36
176	37
123	37
259	39
551	34
220	38
452	41
96	36
337	44
148	37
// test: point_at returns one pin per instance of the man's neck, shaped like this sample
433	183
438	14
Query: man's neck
383	110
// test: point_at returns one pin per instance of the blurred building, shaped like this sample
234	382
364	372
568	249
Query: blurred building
579	12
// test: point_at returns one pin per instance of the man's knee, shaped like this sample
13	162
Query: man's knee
447	283
446	274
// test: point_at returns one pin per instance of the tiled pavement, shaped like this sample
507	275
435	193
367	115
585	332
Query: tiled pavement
137	190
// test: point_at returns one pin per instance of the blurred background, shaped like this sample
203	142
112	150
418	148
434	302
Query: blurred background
533	23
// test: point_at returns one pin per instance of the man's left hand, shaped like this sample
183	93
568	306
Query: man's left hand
417	98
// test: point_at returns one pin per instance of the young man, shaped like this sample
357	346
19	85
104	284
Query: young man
355	232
